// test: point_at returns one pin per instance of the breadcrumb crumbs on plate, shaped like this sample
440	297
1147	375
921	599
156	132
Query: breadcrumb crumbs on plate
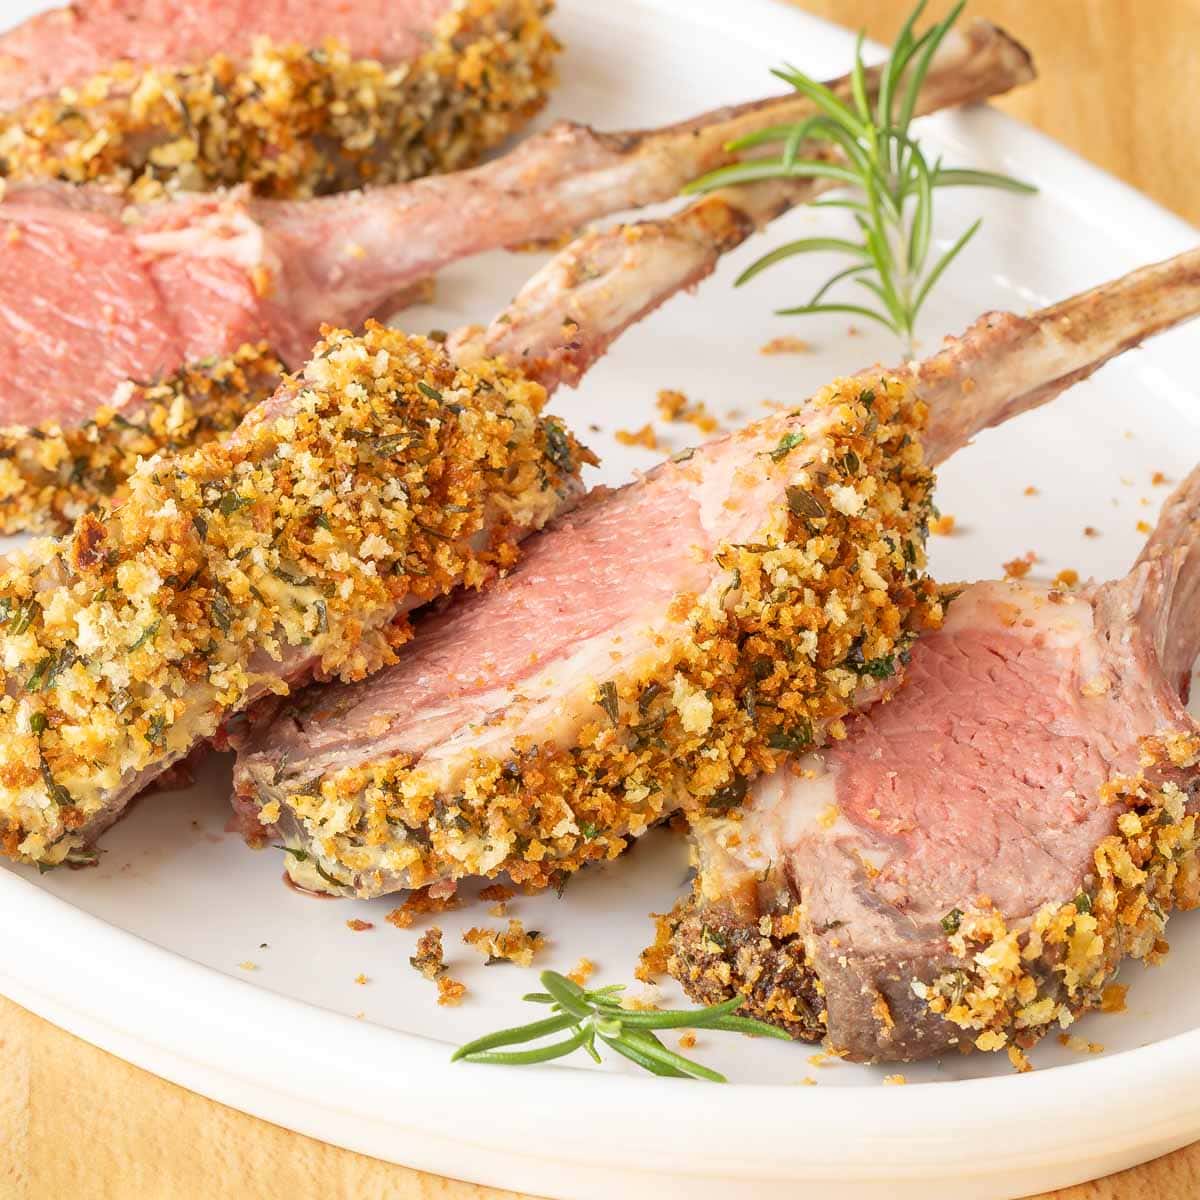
515	944
1144	527
582	972
645	437
358	926
500	909
1019	1059
674	406
648	1000
1066	578
248	966
808	1081
1112	999
1031	491
1158	479
450	992
687	1041
894	1080
429	960
1079	1045
1090	531
943	526
361	979
786	345
1018	568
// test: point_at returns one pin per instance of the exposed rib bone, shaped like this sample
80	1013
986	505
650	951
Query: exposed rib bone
554	183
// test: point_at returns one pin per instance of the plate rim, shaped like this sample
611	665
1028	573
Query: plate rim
225	1049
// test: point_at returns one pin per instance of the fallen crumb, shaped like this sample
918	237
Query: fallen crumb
248	966
361	979
499	909
808	1081
674	406
1090	531
943	526
1079	1045
786	345
895	1080
650	999
1144	527
582	972
652	962
827	818
1018	568
358	926
1019	1060
1112	999
512	945
640	437
1158	479
420	903
1066	578
687	1041
450	992
1031	491
429	959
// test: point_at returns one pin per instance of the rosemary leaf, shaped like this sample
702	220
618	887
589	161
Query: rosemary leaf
881	174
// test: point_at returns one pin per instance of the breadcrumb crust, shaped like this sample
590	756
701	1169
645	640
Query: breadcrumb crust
381	477
294	121
720	706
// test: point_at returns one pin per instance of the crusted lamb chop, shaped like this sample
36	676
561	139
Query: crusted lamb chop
972	863
199	276
381	477
295	98
669	641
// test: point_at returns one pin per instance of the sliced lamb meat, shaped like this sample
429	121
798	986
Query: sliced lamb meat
972	863
381	477
200	276
669	641
288	97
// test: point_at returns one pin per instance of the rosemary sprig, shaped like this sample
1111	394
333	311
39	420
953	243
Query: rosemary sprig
888	182
598	1015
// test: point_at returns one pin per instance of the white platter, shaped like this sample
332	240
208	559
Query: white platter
141	955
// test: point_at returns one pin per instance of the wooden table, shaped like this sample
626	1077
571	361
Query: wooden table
1116	76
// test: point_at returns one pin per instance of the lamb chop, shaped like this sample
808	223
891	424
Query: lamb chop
203	275
295	98
971	864
665	643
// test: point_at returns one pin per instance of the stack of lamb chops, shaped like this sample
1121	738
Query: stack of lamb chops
110	359
845	494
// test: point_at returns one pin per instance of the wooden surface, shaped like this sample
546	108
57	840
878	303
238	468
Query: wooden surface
1118	83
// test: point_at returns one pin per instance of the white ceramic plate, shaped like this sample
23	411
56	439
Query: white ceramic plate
143	955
